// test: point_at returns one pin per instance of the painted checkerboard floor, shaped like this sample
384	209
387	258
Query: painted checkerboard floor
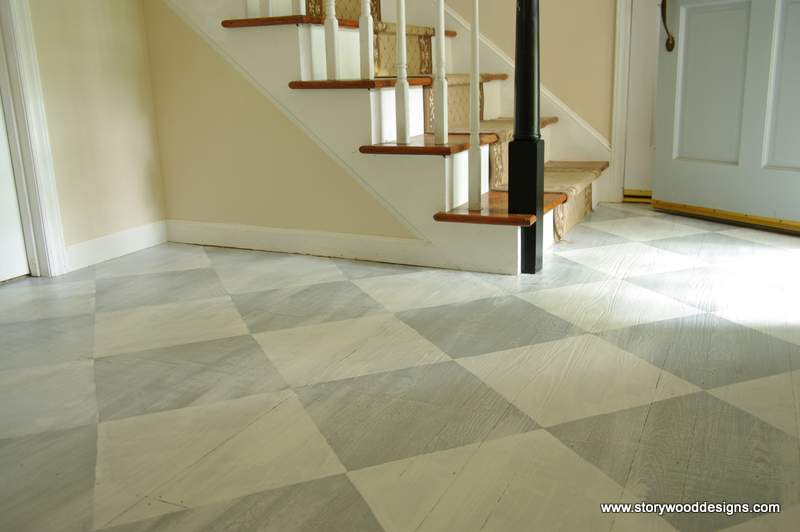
185	388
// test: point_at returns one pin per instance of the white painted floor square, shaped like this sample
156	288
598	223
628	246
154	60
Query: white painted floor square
510	484
166	325
645	228
162	463
770	307
578	377
430	288
350	348
629	260
606	305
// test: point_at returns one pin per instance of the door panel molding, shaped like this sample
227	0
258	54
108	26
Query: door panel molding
711	81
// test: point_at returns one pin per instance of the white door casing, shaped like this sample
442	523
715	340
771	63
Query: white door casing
728	115
640	148
13	255
28	137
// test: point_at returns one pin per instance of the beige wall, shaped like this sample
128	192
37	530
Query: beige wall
577	50
230	156
98	99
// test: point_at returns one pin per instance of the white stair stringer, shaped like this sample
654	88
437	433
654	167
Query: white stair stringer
414	188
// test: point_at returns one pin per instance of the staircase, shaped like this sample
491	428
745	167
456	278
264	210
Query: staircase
424	183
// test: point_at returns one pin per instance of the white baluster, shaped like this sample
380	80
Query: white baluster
475	113
332	39
298	7
440	128
365	29
402	88
266	8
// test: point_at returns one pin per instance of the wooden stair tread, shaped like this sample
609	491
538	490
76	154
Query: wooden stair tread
504	127
508	123
283	21
548	121
289	20
376	83
597	167
570	178
425	145
494	211
464	79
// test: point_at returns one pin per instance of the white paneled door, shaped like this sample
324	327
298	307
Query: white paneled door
13	257
728	111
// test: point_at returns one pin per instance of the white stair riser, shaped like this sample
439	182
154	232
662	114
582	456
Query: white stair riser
384	114
459	177
549	230
313	61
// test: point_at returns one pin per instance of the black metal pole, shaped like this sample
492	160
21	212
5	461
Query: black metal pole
526	151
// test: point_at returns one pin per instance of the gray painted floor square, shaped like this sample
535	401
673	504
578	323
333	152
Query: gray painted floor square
186	375
84	274
116	293
47	398
692	448
44	342
40	301
48	481
487	325
304	305
379	418
708	351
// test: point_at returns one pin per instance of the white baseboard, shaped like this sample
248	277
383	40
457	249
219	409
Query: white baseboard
116	245
320	243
